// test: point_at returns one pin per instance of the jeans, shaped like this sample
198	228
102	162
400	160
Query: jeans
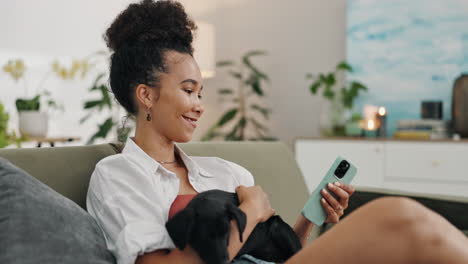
247	259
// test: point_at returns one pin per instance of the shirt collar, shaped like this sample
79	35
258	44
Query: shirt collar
134	151
190	163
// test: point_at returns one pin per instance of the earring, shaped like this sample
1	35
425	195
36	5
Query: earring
148	116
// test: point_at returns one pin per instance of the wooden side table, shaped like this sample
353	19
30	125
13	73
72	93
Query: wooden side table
52	140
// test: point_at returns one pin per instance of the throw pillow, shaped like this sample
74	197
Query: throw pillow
39	225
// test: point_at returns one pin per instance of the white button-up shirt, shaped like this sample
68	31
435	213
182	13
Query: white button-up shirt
130	195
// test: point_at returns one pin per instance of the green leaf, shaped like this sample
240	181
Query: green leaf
237	128
224	63
242	122
91	104
344	66
104	129
98	78
232	134
255	53
208	137
86	117
358	86
330	79
228	116
347	98
23	104
211	133
265	112
226	91
256	87
246	61
51	103
322	78
123	133
356	117
268	138
258	125
236	75
105	96
329	93
314	87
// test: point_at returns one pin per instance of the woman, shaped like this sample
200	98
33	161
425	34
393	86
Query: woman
154	77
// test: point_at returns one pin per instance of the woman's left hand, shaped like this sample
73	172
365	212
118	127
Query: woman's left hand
335	208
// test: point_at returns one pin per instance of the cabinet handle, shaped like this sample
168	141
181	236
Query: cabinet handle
377	150
435	163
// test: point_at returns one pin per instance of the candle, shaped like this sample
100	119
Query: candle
382	120
370	124
370	128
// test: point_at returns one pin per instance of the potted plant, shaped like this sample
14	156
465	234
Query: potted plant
244	112
5	137
33	120
104	103
341	99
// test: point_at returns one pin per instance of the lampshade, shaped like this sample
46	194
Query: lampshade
204	49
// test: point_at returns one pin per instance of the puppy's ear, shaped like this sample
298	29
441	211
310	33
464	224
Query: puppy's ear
235	213
180	227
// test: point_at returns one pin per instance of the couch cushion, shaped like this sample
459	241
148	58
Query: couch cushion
65	169
38	225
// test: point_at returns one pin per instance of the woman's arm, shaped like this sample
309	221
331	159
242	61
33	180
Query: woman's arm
302	228
252	220
189	256
253	202
334	208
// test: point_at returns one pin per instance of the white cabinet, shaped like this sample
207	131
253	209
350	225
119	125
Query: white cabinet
420	166
316	156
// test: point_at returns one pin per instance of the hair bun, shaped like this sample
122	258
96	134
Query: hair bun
163	22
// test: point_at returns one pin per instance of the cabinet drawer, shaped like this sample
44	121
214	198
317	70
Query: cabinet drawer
443	162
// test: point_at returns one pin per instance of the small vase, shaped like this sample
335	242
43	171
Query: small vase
353	129
339	115
33	123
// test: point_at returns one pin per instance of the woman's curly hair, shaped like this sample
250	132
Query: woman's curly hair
139	37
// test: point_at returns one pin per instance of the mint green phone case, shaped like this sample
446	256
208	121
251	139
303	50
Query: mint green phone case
313	209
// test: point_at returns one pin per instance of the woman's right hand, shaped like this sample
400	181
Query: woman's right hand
257	200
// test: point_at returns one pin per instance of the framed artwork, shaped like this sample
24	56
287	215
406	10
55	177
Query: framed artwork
407	52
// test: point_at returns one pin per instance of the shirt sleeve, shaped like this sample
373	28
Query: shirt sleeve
132	224
244	177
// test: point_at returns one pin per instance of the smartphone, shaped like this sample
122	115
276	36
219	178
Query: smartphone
341	171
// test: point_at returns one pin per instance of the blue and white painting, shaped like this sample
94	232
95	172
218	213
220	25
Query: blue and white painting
407	52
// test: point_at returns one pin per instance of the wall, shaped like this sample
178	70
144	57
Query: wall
307	36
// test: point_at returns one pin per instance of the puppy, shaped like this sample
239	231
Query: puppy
205	225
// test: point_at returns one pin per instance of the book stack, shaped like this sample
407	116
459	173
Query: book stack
421	129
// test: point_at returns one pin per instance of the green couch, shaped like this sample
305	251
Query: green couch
67	170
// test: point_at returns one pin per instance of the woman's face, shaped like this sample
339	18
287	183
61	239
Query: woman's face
178	107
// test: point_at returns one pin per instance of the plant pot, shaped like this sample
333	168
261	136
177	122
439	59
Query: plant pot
353	129
33	123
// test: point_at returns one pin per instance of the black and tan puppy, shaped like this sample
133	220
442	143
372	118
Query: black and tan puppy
205	225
